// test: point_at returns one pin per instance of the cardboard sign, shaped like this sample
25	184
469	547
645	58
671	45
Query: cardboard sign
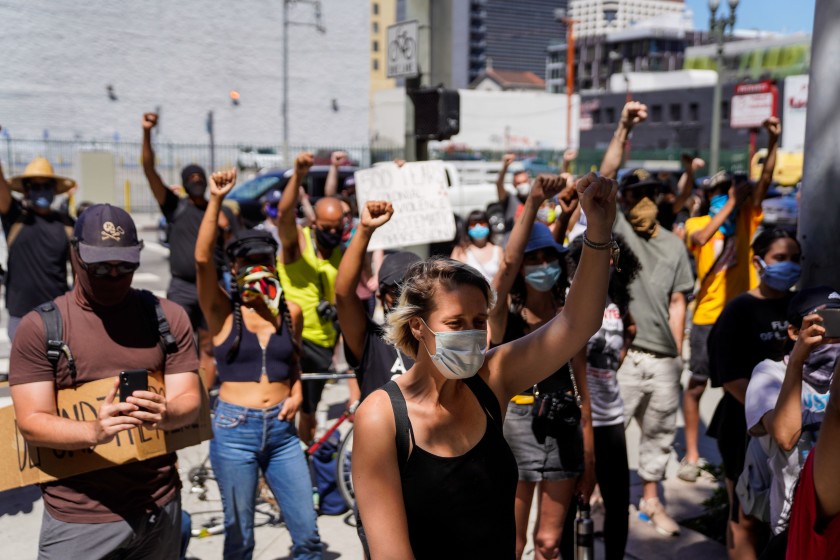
22	464
419	192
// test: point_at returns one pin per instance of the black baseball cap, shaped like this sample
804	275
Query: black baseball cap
394	266
192	169
106	233
638	178
246	243
808	300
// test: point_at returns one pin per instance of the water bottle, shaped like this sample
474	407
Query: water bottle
584	532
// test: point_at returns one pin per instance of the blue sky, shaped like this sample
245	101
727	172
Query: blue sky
783	16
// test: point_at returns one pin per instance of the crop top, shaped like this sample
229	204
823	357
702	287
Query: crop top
252	360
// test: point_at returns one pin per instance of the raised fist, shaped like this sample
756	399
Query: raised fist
303	162
633	113
221	182
376	213
773	126
597	199
570	155
149	121
338	158
547	186
507	159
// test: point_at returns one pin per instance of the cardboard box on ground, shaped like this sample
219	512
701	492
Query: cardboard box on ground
22	464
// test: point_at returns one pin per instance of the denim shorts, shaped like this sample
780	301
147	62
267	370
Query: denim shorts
552	460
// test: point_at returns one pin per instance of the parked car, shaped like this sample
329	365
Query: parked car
781	209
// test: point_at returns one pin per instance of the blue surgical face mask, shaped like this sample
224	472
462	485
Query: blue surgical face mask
781	276
479	232
41	198
542	277
716	204
458	354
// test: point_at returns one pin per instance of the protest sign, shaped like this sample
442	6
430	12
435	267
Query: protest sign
419	192
22	464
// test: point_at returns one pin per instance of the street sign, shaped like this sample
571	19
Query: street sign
402	50
752	104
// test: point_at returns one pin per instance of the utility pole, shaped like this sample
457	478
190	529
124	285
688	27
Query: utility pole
209	125
717	27
561	15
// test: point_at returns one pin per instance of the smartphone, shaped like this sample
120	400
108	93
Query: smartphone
831	322
133	380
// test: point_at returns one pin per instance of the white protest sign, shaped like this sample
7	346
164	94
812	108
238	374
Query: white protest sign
419	192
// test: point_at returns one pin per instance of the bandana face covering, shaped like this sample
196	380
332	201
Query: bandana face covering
260	281
819	366
642	217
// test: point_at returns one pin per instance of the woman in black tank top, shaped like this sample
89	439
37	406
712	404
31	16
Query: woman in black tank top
256	336
433	475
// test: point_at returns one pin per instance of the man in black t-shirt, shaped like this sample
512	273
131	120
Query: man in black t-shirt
183	217
374	361
37	238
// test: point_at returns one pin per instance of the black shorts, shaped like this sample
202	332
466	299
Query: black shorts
698	341
314	359
185	294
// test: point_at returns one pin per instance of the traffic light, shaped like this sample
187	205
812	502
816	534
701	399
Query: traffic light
437	113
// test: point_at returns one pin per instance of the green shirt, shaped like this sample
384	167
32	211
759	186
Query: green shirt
307	282
665	270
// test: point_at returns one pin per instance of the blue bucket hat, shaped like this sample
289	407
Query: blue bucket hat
542	238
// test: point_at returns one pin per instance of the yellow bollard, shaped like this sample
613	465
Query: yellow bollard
127	195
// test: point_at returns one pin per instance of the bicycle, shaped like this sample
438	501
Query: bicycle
402	44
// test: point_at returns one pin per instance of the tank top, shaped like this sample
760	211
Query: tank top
458	507
253	360
489	268
306	282
558	382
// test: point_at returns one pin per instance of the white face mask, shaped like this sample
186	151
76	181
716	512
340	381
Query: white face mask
523	189
458	354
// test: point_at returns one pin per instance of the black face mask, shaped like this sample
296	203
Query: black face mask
107	291
326	239
195	189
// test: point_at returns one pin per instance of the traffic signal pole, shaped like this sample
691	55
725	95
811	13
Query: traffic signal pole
420	10
819	225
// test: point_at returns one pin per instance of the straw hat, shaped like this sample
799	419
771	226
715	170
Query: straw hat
41	168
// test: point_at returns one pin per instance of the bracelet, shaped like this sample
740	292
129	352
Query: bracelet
611	245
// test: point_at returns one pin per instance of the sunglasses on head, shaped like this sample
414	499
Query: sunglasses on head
103	269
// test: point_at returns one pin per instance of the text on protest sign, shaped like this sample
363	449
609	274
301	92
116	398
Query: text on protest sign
419	192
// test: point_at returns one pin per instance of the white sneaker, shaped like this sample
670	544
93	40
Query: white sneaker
652	511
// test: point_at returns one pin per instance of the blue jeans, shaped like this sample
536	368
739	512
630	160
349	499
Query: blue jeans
245	441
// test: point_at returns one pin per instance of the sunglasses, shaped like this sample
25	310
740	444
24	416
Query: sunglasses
103	269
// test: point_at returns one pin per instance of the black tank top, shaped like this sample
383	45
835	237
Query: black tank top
458	507
558	382
252	359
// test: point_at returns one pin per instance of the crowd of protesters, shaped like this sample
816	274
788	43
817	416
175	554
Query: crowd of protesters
504	371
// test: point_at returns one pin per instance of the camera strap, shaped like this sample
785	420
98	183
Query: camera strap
574	386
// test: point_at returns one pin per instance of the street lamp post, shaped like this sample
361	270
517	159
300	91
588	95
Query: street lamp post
561	16
718	27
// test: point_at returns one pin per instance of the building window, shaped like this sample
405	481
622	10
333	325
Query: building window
375	64
694	112
724	110
676	112
596	116
609	114
376	27
375	9
376	46
656	113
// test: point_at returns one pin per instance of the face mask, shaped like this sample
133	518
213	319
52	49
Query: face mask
41	198
458	354
781	276
271	211
195	189
479	232
819	366
716	205
106	291
642	217
542	277
546	215
326	239
523	189
260	281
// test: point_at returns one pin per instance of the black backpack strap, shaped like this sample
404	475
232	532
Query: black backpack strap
486	398
403	424
54	338
167	340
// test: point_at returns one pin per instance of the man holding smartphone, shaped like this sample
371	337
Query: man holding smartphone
107	327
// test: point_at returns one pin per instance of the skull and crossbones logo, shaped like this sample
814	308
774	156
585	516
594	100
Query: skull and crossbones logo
109	231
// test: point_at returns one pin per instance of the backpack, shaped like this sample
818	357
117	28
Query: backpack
57	347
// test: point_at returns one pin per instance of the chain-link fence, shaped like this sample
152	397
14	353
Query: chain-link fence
130	186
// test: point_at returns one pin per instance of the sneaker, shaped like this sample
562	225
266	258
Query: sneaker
652	511
688	471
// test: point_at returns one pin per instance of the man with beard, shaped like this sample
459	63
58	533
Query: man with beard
311	256
183	217
132	509
650	375
37	237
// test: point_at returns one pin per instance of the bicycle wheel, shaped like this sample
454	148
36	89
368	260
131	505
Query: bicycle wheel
343	474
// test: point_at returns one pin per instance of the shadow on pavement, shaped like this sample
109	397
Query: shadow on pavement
19	500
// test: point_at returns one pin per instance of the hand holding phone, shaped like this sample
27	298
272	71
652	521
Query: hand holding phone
133	380
831	322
